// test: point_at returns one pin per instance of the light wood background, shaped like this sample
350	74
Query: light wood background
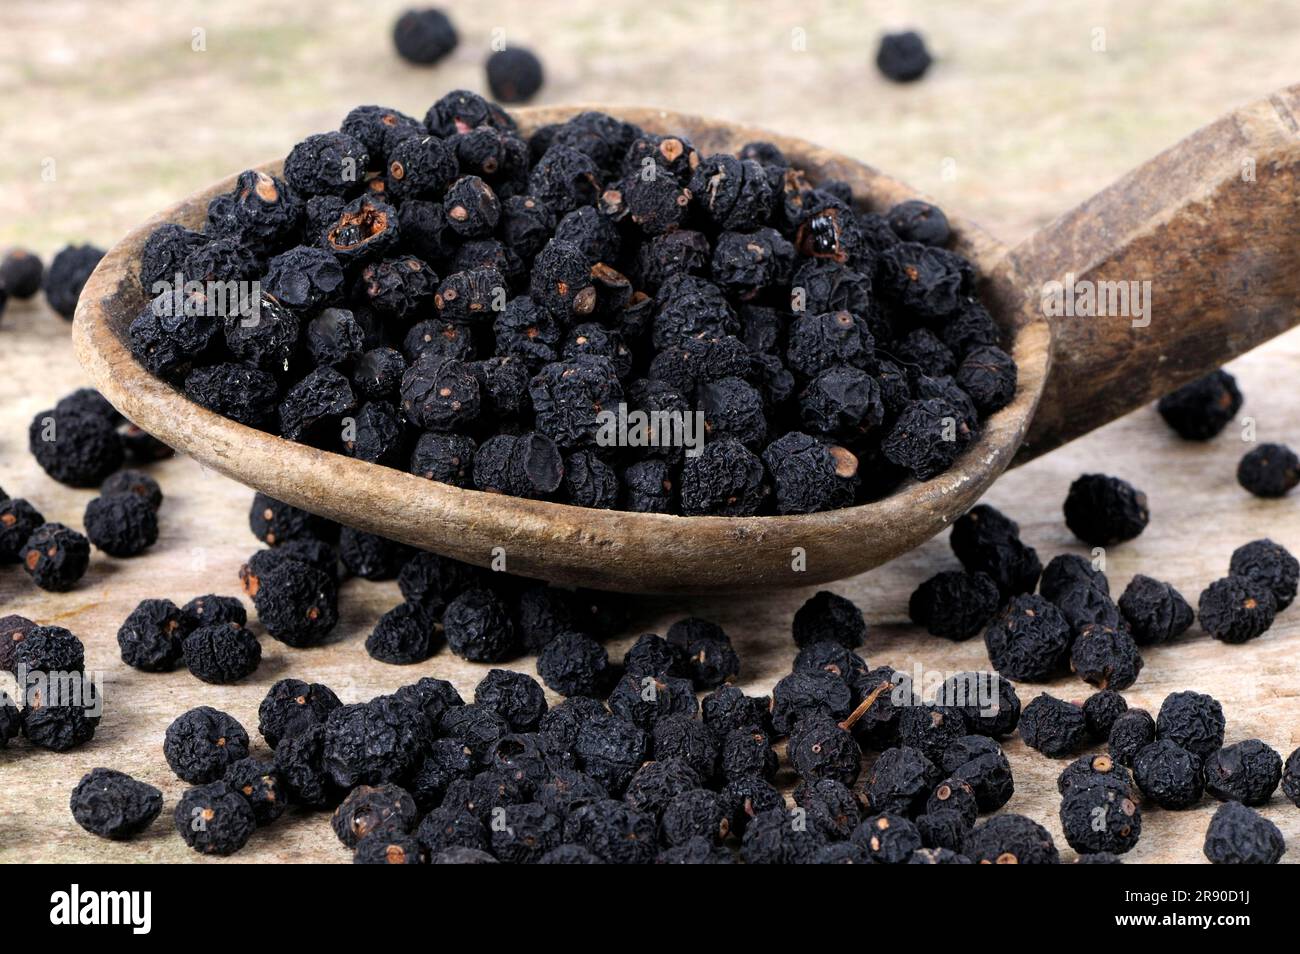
1021	118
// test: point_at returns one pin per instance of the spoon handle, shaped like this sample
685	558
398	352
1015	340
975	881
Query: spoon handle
1193	257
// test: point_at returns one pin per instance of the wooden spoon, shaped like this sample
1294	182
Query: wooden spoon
1210	223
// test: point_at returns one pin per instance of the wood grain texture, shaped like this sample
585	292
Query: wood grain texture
1032	120
1209	226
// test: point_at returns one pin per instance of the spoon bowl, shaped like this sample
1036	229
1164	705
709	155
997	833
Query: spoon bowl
636	552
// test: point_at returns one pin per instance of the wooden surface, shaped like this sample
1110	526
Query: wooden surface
1032	119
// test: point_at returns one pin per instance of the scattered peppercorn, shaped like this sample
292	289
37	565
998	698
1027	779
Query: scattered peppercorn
114	805
1238	835
1247	772
151	638
1100	818
221	653
260	784
514	75
1168	774
1133	731
122	525
902	57
424	37
214	819
55	557
1106	657
1154	611
1269	470
74	447
1102	510
21	272
1029	640
1201	409
1236	609
67	275
1052	726
1268	563
368	810
987	541
1010	839
405	634
1100	710
955	604
201	744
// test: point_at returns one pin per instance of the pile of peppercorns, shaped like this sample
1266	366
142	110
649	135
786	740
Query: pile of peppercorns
450	298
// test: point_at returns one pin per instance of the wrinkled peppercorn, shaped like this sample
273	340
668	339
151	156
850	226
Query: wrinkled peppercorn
114	805
1269	470
1200	410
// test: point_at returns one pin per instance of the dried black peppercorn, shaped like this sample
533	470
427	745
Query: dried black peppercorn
73	447
514	75
1154	611
988	702
1102	510
1100	818
274	522
214	819
425	36
987	541
386	809
64	718
900	781
1010	839
613	831
114	805
49	649
405	634
13	630
122	525
1238	835
1236	609
515	696
1269	470
1200	410
372	742
1247	772
259	783
221	653
1067	571
707	655
478	626
18	520
67	275
889	839
151	637
1100	710
1133	731
954	604
829	616
902	57
1052	726
201	744
1029	640
21	272
296	602
55	557
1094	770
133	482
1105	656
1168	774
1268	563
